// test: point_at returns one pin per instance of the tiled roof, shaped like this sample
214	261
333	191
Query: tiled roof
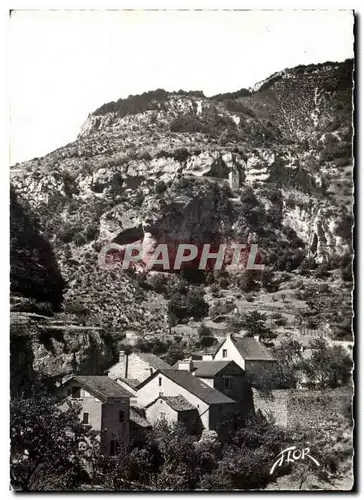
131	382
178	403
138	419
153	360
195	386
252	350
209	368
102	386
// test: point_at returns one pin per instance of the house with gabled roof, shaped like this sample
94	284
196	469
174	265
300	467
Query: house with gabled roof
105	407
247	352
174	409
213	406
225	376
136	365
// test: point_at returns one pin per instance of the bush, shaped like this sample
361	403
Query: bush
156	346
160	187
254	323
135	104
186	123
204	331
207	341
187	306
91	232
79	239
174	354
76	308
281	322
322	271
268	281
67	234
157	282
196	305
328	366
139	198
249	281
248	197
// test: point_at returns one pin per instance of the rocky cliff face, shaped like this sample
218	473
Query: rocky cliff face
44	342
271	165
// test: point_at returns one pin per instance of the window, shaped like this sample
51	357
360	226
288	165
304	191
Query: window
224	353
121	416
85	418
162	414
160	381
76	392
227	382
114	447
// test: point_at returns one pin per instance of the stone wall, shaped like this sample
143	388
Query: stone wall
275	404
303	408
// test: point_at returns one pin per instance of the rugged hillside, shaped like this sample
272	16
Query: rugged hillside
45	342
154	168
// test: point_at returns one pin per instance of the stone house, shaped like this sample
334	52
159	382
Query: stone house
174	409
137	365
225	376
105	407
213	406
247	352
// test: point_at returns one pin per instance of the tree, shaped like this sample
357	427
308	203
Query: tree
174	354
179	470
191	305
249	281
235	323
160	187
267	280
206	339
204	331
254	323
328	366
289	363
248	455
49	445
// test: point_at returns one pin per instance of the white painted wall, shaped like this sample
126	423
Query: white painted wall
131	366
150	391
208	381
232	353
158	410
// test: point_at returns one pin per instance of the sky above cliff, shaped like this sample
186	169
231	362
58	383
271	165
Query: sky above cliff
65	64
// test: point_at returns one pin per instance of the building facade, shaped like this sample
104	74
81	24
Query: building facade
137	366
247	352
213	407
105	407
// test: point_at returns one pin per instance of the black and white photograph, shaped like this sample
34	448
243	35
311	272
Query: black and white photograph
181	250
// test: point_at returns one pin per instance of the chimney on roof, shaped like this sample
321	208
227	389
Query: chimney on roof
207	357
256	337
186	364
123	358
